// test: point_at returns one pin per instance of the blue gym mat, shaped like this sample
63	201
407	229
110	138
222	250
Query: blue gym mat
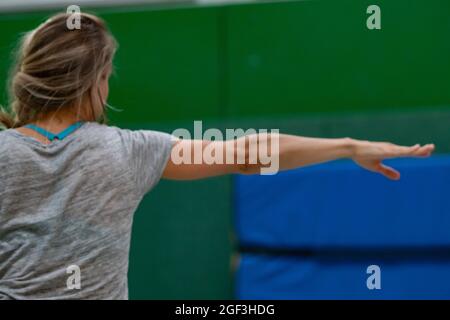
312	232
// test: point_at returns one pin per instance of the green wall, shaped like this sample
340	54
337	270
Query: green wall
307	67
317	56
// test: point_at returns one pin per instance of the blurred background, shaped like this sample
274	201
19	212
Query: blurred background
305	67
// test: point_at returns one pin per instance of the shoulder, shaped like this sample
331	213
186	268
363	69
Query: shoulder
128	135
127	138
104	130
9	146
6	137
103	134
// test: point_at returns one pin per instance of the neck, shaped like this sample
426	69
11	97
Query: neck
56	122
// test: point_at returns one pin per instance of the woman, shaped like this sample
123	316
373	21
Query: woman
67	200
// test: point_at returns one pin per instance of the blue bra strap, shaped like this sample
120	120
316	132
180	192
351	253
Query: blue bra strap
69	130
51	136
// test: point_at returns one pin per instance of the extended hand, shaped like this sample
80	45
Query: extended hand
369	155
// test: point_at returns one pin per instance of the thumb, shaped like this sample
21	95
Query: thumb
387	171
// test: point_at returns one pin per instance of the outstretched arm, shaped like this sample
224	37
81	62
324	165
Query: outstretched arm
287	150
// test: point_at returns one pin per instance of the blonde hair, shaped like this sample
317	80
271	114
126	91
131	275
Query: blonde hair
59	68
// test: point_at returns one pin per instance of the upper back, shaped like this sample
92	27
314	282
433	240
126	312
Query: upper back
71	202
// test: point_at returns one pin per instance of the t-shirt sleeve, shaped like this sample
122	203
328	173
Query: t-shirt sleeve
147	153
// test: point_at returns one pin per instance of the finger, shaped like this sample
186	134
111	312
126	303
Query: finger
421	151
388	172
424	151
413	151
410	150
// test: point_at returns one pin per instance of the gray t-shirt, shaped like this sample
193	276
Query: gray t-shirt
68	207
